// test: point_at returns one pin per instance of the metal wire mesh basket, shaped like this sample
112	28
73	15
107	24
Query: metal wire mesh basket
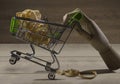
42	33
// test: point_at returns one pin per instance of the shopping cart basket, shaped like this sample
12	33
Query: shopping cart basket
52	41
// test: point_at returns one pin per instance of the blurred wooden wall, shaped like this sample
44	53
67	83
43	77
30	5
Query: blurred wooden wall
106	13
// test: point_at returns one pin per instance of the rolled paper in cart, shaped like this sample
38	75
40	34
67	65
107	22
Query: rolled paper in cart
35	32
87	28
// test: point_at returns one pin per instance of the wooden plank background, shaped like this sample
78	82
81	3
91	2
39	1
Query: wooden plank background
106	13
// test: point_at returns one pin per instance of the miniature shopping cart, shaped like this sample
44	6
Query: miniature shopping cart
56	37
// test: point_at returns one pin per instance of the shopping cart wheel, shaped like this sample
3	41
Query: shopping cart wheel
13	60
51	76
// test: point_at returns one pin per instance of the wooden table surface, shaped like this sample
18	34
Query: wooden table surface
73	56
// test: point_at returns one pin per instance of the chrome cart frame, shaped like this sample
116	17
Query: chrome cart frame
63	31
